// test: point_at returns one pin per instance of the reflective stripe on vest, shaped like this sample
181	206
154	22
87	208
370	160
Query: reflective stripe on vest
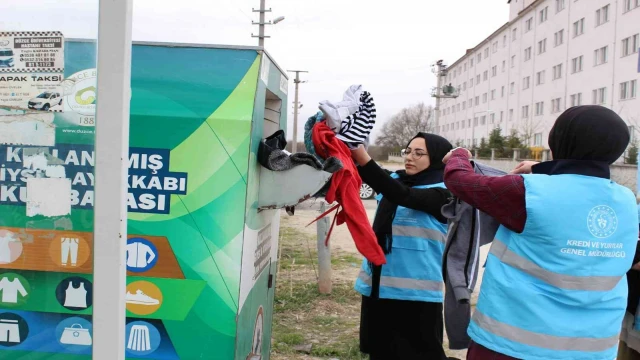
403	283
414	265
589	283
557	290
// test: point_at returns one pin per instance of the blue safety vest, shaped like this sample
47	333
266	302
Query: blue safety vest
414	267
558	290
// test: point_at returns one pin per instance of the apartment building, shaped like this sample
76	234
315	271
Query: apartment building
551	55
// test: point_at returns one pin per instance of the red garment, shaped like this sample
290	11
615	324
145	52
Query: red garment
479	352
502	197
345	189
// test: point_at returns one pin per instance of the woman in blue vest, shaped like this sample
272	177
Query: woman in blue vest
554	285
629	348
401	315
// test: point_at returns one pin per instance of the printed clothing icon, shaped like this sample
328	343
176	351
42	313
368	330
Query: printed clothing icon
5	249
76	335
137	252
9	331
10	290
69	247
75	297
139	339
140	298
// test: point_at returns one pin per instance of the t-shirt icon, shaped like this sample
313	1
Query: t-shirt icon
15	290
10	247
142	255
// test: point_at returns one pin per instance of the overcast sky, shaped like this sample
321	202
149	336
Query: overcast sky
387	46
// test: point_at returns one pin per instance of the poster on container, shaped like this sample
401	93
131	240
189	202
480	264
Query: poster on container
190	136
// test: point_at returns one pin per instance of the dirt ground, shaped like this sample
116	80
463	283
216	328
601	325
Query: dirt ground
307	324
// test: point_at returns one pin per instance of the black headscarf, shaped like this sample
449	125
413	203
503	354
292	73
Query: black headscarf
437	148
589	133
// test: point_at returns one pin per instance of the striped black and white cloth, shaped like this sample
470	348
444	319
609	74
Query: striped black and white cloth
356	128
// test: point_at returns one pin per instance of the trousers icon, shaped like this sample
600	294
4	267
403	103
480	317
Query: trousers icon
69	247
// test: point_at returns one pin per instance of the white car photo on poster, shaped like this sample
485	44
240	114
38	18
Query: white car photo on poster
45	101
6	57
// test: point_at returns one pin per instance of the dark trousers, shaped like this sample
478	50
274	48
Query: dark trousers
479	352
399	329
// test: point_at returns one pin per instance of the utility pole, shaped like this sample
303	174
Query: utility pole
441	90
294	146
261	36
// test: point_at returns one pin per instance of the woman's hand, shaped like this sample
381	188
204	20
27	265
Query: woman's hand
450	153
524	167
360	156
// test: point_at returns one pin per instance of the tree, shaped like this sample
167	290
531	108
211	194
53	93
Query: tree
497	141
403	126
513	141
632	154
484	150
528	128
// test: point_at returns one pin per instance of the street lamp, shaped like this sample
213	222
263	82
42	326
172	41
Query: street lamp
278	19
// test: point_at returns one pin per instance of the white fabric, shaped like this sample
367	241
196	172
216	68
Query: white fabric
10	290
76	297
337	112
137	255
69	246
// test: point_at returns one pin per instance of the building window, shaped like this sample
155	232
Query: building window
470	103
504	65
537	139
478	80
510	114
576	64
540	77
471	83
602	15
526	83
485	75
465	67
559	38
475	121
630	45
471	63
540	108
486	53
600	96
458	108
492	118
525	112
504	41
557	72
483	119
631	4
542	46
477	100
479	58
469	123
628	90
528	26
513	61
501	116
464	85
544	15
458	125
560	4
578	28
527	54
502	92
601	56
514	34
513	88
494	71
556	105
464	105
495	47
484	98
493	94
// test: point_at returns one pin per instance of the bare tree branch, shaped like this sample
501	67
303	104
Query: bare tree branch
405	125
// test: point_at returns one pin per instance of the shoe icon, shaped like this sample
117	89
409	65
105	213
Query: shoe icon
140	298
